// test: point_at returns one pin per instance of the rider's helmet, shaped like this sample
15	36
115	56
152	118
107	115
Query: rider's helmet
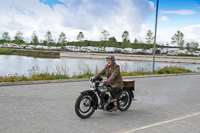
111	57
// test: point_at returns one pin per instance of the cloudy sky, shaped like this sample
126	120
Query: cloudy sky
92	16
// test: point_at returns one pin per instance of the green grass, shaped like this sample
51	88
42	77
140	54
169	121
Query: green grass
48	76
5	51
34	78
135	73
60	71
87	75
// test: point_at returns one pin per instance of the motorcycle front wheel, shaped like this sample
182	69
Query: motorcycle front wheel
84	107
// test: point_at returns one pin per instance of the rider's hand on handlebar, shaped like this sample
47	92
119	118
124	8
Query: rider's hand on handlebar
107	82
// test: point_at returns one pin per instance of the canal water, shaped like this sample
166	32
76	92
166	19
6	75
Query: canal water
22	65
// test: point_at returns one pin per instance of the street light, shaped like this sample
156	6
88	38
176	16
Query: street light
154	45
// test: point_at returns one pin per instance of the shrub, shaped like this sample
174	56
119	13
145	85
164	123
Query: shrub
172	69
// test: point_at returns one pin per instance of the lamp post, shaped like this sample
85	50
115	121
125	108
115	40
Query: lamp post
154	44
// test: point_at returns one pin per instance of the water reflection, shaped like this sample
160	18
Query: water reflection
10	64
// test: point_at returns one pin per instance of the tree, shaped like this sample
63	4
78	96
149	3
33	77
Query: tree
126	44
104	35
49	37
44	43
112	41
135	41
5	37
80	36
18	37
34	40
125	36
192	46
178	39
62	38
149	37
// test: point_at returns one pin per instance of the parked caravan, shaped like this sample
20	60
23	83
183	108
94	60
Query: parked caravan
30	47
110	49
128	50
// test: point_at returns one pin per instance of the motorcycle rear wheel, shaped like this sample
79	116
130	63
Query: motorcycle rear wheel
124	101
84	107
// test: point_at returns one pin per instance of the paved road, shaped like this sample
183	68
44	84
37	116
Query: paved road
164	104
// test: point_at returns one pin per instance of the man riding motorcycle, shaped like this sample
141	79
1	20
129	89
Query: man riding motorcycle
114	79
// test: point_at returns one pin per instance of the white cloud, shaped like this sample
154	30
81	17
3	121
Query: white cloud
89	16
152	4
164	19
192	33
179	12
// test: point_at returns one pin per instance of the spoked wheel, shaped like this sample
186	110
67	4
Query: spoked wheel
124	101
83	106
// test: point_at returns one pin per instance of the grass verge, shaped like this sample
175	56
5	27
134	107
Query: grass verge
34	53
63	75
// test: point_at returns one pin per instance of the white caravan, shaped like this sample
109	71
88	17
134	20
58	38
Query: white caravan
110	49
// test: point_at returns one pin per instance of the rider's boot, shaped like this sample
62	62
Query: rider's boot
115	108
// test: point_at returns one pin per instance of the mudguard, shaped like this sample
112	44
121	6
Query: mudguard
87	92
93	95
129	90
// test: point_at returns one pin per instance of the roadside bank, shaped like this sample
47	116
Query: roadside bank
86	79
32	53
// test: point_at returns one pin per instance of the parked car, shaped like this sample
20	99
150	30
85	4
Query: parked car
53	47
197	53
149	51
117	50
15	46
95	49
71	48
38	47
22	46
8	45
189	53
172	53
58	48
102	49
30	47
77	49
128	50
45	47
84	49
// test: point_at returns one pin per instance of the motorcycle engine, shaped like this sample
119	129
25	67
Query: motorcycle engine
108	104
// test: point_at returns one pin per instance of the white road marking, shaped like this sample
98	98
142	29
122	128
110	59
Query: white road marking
161	123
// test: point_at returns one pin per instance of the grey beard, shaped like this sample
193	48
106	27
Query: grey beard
109	64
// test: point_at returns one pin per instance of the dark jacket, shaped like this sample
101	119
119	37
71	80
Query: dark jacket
114	75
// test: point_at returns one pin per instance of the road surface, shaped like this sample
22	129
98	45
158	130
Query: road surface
164	104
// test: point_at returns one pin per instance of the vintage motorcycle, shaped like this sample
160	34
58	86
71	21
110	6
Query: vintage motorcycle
98	97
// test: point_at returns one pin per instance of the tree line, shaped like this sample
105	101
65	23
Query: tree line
105	40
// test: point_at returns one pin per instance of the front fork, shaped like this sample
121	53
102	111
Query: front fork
98	99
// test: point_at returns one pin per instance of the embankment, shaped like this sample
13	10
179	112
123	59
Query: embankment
33	53
129	57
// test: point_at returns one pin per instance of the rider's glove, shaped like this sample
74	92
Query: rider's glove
107	82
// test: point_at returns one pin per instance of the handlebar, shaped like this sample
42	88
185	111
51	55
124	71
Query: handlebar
92	79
